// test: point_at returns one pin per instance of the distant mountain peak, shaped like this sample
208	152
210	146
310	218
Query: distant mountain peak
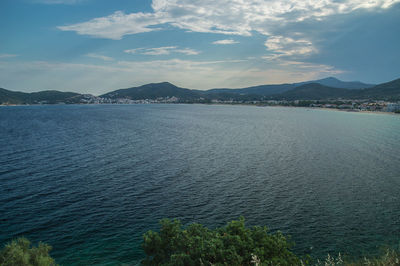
337	83
312	85
339	80
161	83
164	84
331	79
152	91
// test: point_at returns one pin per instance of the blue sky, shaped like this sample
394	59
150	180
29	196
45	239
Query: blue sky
94	46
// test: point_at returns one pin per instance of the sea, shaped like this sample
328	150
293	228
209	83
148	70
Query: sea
90	180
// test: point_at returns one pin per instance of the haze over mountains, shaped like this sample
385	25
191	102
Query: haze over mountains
328	88
280	88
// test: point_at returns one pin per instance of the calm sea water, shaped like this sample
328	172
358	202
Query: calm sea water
90	180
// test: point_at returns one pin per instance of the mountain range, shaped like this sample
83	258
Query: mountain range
280	88
328	88
315	91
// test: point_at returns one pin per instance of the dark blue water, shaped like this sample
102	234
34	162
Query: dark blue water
90	180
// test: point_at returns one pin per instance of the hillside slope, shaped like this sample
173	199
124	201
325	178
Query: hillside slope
50	96
153	91
315	91
266	90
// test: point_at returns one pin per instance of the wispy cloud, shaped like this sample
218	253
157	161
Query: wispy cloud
322	69
224	42
7	55
159	51
165	50
288	52
187	51
117	25
99	56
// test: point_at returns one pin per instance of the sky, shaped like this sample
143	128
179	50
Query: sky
95	46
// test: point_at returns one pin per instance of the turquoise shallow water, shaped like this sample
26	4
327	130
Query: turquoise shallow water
90	180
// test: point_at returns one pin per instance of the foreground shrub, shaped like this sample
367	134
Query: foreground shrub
20	253
390	257
233	244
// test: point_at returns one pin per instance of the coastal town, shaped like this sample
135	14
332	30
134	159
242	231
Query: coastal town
340	104
349	105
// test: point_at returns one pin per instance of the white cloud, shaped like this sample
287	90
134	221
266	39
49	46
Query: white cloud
133	51
7	55
187	51
99	56
282	46
159	51
288	52
227	41
166	50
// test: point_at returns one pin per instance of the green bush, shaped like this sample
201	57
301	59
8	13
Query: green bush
20	253
233	244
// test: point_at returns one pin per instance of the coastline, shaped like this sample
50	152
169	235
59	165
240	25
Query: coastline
351	111
322	109
222	104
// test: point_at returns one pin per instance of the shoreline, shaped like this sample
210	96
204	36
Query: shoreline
352	111
314	108
231	104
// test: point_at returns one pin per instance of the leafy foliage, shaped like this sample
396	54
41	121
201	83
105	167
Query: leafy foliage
20	253
233	244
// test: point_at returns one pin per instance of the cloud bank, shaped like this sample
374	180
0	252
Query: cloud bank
271	18
231	17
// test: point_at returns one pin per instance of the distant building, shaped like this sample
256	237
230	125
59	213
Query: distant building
393	107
